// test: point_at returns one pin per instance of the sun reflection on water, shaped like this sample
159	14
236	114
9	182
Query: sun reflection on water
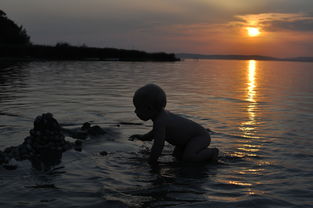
248	127
249	145
251	79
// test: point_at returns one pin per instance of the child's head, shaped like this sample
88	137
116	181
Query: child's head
149	100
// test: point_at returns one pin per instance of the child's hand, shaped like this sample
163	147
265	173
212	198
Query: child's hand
135	136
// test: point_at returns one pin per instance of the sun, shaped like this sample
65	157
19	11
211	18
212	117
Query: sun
253	31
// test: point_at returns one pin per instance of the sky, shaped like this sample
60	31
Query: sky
177	26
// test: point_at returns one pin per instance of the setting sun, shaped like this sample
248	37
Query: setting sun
253	31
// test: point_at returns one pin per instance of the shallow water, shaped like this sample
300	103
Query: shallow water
261	113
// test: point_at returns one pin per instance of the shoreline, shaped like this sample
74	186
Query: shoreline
183	56
65	52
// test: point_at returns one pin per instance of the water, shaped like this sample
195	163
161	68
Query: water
261	113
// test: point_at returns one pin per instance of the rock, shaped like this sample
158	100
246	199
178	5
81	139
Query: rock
96	131
103	153
2	158
46	143
43	147
92	130
86	126
83	132
10	167
78	145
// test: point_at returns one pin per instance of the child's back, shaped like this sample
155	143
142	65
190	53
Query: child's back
180	130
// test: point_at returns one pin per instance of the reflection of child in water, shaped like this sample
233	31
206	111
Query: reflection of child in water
191	140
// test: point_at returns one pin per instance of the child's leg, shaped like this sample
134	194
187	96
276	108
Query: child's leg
197	150
178	152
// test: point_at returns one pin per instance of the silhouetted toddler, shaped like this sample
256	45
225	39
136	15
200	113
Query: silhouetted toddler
190	139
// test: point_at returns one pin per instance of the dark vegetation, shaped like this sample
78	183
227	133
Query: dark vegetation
11	33
67	52
15	44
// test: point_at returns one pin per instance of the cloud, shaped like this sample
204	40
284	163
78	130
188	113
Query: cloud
276	21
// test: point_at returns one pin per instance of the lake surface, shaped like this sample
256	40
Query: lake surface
261	113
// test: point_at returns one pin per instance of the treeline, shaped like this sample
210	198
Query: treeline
68	52
15	44
11	33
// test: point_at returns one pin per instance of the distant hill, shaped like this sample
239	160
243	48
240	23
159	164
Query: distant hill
241	57
306	59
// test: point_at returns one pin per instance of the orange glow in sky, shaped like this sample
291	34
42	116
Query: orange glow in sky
253	31
261	27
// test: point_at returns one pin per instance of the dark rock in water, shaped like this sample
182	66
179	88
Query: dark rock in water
103	153
85	126
92	130
46	143
2	158
83	132
96	130
78	142
46	159
44	147
78	145
10	167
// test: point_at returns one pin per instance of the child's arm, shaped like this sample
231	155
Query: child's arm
145	137
158	144
148	136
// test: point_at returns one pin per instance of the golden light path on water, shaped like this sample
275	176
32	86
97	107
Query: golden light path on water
251	83
249	147
248	127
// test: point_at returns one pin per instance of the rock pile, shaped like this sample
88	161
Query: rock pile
43	147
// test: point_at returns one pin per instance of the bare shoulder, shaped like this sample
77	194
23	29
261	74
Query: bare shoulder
162	119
